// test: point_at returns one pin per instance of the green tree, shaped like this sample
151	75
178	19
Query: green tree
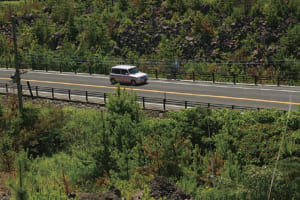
167	48
123	4
72	29
275	11
291	39
122	102
3	45
18	186
41	30
123	133
195	124
176	5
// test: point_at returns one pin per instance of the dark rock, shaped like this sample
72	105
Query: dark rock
4	196
162	187
29	17
89	9
188	38
112	194
137	196
298	55
204	8
48	10
55	40
72	195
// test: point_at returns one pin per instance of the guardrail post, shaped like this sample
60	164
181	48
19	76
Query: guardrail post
86	96
232	107
69	93
60	63
90	67
6	87
144	103
29	88
164	102
278	81
156	74
193	76
75	69
52	90
234	78
104	98
36	91
213	77
32	63
208	105
46	68
255	79
185	104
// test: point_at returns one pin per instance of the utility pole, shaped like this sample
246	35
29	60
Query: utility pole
17	64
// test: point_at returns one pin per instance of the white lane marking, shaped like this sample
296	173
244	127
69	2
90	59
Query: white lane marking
225	86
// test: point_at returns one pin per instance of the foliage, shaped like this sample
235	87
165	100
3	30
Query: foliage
3	45
122	102
274	11
166	48
292	38
41	30
176	5
18	187
169	29
208	153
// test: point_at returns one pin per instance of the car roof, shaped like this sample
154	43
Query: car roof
124	67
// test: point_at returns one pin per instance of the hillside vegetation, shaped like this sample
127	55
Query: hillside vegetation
211	154
240	36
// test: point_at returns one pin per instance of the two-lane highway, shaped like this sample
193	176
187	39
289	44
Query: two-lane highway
262	96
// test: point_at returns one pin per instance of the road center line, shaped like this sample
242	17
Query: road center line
160	91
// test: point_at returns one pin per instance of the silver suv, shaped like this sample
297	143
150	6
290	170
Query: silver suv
127	74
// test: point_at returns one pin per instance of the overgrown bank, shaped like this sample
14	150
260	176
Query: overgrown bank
244	37
217	154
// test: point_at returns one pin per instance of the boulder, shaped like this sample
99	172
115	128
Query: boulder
161	187
112	194
28	18
54	40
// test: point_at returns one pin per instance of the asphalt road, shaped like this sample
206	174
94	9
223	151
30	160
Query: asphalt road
260	96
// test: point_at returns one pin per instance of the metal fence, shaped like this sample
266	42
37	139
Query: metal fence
101	98
155	68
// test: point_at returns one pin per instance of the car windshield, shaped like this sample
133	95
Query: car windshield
134	70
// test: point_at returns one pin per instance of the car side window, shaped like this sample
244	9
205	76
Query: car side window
115	71
124	71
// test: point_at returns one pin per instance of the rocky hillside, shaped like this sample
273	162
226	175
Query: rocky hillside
216	44
252	31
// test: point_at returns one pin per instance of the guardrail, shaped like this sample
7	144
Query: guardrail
100	98
233	78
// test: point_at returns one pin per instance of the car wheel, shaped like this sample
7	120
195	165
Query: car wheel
113	81
133	83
